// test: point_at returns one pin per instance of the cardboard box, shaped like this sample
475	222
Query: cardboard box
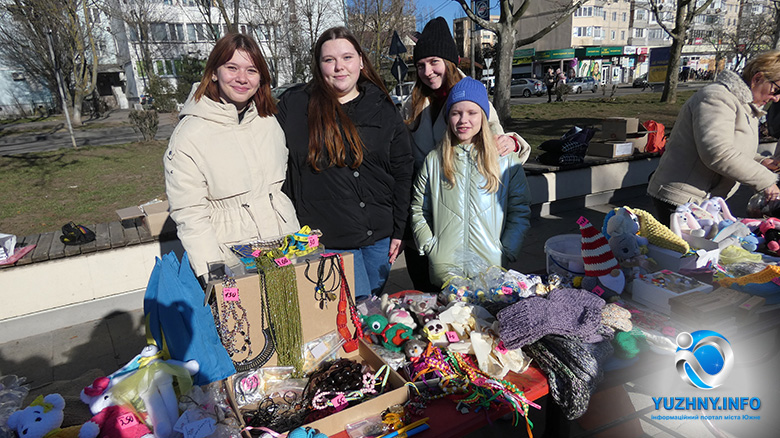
611	149
153	216
656	289
316	321
157	220
618	128
675	261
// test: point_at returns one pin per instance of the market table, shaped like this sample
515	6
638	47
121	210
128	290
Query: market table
445	421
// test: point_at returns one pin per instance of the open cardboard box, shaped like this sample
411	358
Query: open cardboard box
153	216
315	322
611	149
624	129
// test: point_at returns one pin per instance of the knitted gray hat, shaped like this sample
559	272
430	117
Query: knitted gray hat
572	312
436	40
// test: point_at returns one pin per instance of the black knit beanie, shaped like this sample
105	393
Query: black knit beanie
436	40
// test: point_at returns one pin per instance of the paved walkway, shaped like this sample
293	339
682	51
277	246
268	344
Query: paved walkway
52	133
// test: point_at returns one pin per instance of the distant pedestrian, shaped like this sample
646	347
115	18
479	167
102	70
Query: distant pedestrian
549	81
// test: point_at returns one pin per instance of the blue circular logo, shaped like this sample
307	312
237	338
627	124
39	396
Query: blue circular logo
704	358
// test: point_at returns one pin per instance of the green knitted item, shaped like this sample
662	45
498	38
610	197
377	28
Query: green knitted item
628	344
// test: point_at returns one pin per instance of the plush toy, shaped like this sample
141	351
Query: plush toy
436	331
413	349
603	275
42	418
396	313
115	422
770	229
422	311
146	379
392	336
623	221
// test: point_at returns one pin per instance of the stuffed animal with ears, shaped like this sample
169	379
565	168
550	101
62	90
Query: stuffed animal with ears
396	313
770	229
111	420
603	275
146	378
391	336
684	222
719	210
42	418
623	221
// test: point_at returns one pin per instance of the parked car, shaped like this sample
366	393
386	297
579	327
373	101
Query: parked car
401	92
583	83
640	82
526	87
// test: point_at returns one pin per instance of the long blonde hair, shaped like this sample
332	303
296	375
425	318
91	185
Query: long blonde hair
486	155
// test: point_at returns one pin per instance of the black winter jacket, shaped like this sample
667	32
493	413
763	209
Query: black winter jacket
352	207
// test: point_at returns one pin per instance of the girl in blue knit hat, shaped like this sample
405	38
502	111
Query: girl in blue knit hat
467	199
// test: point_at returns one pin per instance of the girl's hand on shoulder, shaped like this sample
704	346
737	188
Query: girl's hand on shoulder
396	246
506	144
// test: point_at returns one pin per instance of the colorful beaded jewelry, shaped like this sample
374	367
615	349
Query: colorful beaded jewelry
345	297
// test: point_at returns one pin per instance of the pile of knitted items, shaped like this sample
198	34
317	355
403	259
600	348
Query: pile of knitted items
573	369
572	312
569	149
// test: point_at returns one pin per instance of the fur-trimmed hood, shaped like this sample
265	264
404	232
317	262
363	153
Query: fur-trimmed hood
736	85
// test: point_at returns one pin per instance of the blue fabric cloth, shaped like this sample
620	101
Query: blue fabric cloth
372	267
178	319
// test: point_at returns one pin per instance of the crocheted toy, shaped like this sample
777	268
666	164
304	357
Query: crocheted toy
436	330
396	313
391	336
603	275
146	380
115	422
770	230
622	221
659	234
413	349
42	418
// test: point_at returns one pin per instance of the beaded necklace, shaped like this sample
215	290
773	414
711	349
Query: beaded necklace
351	341
280	290
231	337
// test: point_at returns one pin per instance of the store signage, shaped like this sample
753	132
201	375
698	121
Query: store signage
629	50
555	54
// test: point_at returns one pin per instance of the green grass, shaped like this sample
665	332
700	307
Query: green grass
43	191
541	122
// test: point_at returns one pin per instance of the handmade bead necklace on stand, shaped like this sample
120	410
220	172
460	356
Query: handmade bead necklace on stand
252	363
345	297
231	337
324	293
280	291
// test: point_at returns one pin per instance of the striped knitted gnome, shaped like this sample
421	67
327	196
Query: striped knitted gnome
603	275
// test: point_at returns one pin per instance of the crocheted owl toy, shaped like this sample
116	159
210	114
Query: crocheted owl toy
603	275
42	418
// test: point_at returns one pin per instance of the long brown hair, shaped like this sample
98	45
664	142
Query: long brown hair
222	53
422	92
330	129
486	156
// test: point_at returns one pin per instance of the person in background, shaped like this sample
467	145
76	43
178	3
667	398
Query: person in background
713	145
549	81
466	198
226	160
350	167
436	59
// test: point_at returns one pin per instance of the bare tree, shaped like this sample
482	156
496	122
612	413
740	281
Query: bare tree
24	43
506	29
751	36
373	23
685	12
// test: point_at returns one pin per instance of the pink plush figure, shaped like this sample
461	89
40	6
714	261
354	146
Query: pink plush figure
115	422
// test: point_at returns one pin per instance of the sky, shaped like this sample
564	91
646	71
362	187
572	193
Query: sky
449	9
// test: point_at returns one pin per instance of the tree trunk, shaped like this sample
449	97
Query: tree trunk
78	100
503	70
669	94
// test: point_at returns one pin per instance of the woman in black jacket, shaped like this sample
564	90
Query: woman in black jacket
350	164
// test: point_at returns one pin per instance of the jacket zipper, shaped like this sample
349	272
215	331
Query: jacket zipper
467	196
251	215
